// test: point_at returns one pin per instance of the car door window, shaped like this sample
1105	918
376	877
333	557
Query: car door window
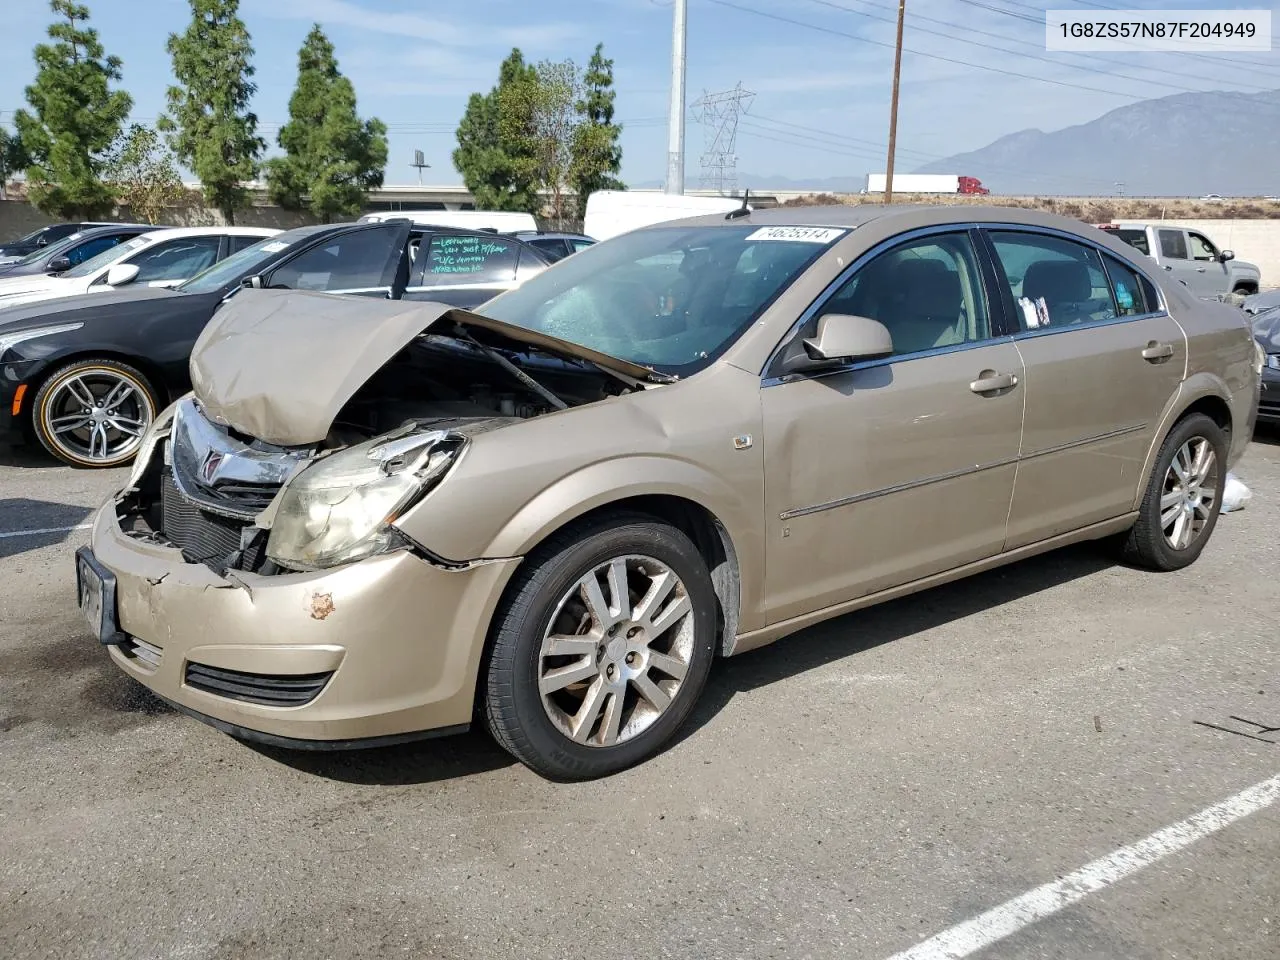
1201	248
91	248
239	243
1054	282
350	261
927	292
1173	244
1134	293
553	249
468	259
579	245
175	259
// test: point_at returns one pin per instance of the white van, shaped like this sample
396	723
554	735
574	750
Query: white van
501	221
611	212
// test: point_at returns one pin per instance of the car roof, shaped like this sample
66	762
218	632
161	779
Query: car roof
546	235
851	216
169	233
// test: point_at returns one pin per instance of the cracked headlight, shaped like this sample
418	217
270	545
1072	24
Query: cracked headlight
340	508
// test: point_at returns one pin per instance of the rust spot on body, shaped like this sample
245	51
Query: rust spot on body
321	606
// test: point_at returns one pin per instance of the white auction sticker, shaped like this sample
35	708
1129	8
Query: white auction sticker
797	234
275	246
1131	31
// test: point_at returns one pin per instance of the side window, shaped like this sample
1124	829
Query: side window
1201	248
1173	244
927	292
554	249
1129	289
353	261
463	258
1054	282
238	243
176	259
579	245
91	248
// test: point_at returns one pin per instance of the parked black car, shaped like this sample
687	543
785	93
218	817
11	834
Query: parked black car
74	249
17	249
1266	330
85	376
556	246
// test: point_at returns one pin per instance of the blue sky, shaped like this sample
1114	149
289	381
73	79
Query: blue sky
821	82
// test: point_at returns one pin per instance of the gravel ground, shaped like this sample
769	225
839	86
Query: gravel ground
847	792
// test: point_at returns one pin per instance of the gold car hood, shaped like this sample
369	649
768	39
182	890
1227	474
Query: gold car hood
279	365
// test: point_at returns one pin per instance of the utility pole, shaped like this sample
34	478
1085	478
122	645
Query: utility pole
893	106
675	143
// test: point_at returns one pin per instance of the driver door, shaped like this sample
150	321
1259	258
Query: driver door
366	260
888	471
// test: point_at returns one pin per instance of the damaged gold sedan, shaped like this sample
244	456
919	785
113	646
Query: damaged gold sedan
372	521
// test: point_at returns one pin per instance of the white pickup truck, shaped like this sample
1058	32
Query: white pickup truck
1191	257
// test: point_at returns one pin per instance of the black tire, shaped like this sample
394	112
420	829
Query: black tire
1146	544
1244	291
513	705
42	412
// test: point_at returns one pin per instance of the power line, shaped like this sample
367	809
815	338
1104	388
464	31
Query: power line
719	114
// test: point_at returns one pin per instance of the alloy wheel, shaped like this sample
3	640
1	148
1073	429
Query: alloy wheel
97	415
616	651
1190	493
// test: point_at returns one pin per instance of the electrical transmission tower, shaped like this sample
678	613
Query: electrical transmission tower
718	113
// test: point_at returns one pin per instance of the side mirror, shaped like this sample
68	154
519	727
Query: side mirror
42	241
1226	255
842	338
59	264
252	283
121	273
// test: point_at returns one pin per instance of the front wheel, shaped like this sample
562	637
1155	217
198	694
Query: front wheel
602	648
93	413
1184	494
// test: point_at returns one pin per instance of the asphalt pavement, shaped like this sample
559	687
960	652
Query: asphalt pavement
851	792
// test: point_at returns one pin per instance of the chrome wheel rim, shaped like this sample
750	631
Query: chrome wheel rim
98	416
1190	493
616	651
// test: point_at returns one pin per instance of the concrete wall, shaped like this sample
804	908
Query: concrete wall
1257	241
18	218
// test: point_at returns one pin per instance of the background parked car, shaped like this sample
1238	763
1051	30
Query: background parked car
162	258
556	246
17	249
124	352
1266	330
74	249
1190	256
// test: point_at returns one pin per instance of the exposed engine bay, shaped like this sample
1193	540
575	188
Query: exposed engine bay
212	491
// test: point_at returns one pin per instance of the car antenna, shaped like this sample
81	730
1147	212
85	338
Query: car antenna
742	211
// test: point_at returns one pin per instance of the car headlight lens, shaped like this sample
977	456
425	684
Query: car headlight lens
339	509
8	340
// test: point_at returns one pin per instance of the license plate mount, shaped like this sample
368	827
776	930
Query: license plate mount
96	597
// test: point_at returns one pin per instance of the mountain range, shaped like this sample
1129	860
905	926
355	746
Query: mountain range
1184	145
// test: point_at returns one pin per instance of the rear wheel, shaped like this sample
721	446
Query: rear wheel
1180	507
601	650
93	413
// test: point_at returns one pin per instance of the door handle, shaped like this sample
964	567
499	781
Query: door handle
1168	267
989	382
1155	351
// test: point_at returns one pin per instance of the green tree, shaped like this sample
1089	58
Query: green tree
596	152
332	159
210	126
495	147
543	116
143	174
74	119
13	158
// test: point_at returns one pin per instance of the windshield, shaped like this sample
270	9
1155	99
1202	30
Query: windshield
671	298
52	250
242	262
107	256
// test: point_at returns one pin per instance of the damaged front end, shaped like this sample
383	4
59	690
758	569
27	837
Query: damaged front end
234	503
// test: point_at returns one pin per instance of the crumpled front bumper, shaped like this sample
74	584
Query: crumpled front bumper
401	637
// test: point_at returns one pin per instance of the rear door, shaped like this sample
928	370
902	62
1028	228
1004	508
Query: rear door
367	260
1102	359
466	269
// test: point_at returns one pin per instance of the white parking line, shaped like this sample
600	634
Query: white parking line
1013	915
43	530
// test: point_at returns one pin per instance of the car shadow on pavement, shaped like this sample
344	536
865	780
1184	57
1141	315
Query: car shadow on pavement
421	762
866	629
24	456
51	522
